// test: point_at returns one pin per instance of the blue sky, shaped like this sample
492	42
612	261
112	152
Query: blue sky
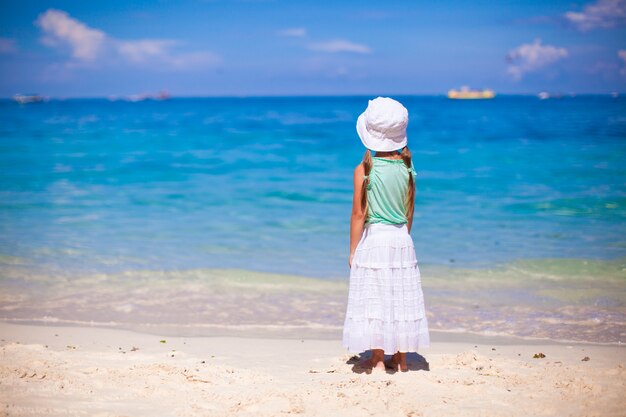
282	47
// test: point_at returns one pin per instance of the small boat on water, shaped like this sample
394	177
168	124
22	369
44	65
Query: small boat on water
544	95
134	98
28	98
465	93
163	95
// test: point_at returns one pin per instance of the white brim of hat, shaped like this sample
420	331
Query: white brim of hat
376	144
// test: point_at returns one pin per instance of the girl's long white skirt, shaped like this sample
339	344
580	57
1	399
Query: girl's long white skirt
385	302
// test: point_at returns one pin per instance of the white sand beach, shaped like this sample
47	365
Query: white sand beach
78	371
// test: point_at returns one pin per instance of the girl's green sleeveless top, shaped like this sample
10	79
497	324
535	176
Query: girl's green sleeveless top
386	192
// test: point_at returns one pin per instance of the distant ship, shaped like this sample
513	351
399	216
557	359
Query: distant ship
160	96
544	95
28	98
163	95
465	93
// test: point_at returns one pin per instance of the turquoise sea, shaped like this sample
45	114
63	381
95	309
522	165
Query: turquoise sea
209	215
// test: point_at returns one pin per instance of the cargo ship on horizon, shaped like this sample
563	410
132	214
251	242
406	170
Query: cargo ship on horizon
29	98
465	93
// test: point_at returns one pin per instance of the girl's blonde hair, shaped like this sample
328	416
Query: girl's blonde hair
409	200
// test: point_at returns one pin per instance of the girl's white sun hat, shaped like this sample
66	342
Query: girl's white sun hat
382	126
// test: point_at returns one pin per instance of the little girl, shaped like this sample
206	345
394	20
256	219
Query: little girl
385	311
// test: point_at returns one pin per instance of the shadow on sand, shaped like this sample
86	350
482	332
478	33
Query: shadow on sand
360	363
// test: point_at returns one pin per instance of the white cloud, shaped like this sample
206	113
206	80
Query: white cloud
339	45
530	57
144	49
90	45
601	14
293	32
59	28
7	46
622	55
158	50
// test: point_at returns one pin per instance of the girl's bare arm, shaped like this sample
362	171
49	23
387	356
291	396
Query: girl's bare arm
357	220
409	220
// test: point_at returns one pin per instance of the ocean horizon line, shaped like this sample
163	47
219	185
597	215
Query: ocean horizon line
121	97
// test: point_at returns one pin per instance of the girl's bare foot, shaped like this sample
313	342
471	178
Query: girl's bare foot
380	365
375	361
368	365
378	359
397	362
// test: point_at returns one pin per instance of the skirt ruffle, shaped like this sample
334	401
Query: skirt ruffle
385	302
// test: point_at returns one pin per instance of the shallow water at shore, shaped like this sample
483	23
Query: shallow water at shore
560	299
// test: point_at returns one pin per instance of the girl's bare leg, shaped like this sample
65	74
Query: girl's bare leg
398	362
378	359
